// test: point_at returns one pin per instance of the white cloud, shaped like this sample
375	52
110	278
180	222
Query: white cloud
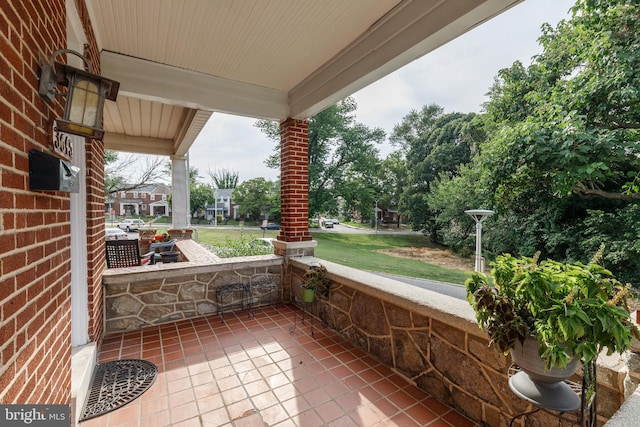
456	76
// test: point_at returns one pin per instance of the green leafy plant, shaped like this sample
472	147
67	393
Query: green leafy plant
239	246
572	309
315	277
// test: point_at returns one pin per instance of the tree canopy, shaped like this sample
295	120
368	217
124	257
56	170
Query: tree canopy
224	178
571	119
434	144
561	159
256	197
343	159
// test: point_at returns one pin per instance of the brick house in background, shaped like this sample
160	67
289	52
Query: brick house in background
149	200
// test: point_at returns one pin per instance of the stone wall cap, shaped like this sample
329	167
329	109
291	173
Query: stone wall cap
198	261
433	304
295	245
627	415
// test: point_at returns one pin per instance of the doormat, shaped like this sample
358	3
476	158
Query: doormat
114	384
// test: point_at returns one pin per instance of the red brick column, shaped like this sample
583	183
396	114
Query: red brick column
180	233
146	235
294	180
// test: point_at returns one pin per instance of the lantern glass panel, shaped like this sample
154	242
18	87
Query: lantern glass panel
85	100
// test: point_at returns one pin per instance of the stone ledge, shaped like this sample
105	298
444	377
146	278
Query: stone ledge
194	252
627	415
198	261
444	308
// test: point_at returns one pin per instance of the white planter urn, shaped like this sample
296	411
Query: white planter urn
527	358
545	388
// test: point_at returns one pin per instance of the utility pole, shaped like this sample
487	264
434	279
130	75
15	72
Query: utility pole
375	216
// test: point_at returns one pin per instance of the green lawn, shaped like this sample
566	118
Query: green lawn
219	236
353	250
359	251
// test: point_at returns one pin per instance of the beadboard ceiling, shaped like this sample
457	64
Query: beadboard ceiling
180	61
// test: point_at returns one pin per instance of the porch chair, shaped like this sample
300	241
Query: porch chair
126	253
161	247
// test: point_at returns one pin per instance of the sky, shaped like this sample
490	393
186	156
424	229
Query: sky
456	76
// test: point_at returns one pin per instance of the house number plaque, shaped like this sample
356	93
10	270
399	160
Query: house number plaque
62	143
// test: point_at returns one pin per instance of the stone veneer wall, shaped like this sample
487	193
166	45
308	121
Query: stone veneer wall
153	294
434	341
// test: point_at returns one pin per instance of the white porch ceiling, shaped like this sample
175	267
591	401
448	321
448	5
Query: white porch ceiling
179	61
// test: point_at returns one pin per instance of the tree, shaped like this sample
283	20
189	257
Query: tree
571	120
395	176
131	172
342	154
199	196
562	160
256	196
224	178
437	144
449	197
414	127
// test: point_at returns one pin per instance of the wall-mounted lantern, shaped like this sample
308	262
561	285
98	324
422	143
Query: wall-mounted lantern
85	95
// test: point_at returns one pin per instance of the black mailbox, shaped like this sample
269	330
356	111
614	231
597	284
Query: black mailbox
50	173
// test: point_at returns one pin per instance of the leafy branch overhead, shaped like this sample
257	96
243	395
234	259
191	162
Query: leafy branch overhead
572	117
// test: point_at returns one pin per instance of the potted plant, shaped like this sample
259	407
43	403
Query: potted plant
315	282
550	316
572	310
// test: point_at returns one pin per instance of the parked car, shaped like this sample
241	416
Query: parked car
271	226
115	234
328	223
131	224
335	221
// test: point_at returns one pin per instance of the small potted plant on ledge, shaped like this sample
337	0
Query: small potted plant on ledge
315	282
555	314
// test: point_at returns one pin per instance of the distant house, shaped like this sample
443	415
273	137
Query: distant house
149	200
222	206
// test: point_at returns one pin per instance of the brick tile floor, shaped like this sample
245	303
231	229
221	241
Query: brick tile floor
250	372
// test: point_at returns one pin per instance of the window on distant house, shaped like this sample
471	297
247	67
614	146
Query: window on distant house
135	195
164	197
152	196
123	194
144	207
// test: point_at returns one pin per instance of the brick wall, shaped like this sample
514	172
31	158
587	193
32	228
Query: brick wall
294	185
35	316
